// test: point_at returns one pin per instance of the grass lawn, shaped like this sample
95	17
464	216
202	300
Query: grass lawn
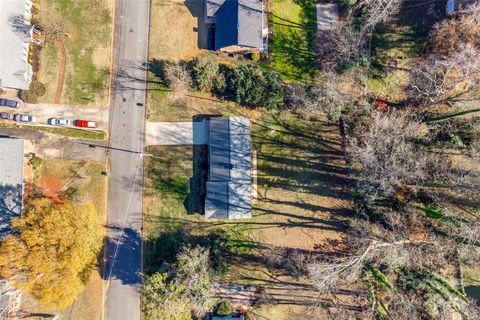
88	50
400	41
293	23
172	29
303	201
67	132
392	43
51	176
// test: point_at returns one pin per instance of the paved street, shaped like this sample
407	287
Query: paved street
125	195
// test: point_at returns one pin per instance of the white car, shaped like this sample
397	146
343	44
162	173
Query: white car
58	122
25	118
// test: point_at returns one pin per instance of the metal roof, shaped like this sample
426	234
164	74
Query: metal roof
239	22
11	181
229	191
15	35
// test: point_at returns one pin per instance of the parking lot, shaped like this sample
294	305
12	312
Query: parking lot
43	112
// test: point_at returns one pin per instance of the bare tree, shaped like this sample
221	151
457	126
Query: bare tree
453	80
340	44
388	156
346	41
178	77
376	11
313	101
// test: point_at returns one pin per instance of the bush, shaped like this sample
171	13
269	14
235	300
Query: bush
35	90
36	162
204	73
251	85
255	56
223	308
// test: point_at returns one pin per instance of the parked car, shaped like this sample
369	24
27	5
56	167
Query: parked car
85	123
139	104
7	116
25	118
8	103
58	122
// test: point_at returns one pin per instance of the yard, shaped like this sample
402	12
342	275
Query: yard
293	23
173	29
302	206
82	59
82	180
396	43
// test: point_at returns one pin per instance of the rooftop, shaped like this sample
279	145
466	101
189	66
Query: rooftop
11	181
237	22
229	190
15	72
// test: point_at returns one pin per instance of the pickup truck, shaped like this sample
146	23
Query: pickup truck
85	123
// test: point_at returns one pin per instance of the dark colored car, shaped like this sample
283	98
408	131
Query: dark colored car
8	103
7	116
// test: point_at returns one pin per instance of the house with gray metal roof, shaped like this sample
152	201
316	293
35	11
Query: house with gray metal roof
11	181
15	37
239	25
229	183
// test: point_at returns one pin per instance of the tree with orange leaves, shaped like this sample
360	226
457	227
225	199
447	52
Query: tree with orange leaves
51	249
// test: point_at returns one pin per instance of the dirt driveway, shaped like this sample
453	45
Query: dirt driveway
50	146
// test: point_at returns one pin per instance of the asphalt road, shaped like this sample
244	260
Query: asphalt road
125	195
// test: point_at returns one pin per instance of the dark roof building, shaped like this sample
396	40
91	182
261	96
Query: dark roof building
239	24
229	184
11	181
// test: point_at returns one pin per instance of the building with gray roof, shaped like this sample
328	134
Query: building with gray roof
240	25
229	183
11	181
15	37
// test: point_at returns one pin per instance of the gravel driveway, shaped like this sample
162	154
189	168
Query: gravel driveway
45	111
50	146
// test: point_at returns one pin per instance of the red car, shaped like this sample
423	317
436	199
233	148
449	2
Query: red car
85	123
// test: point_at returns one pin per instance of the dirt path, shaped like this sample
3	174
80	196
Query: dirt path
61	72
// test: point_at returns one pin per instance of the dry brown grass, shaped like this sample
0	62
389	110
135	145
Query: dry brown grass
172	35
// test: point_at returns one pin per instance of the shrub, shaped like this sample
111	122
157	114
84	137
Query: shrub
36	162
177	76
251	85
223	308
204	73
255	56
35	90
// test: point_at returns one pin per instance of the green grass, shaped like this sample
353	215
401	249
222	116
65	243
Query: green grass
393	42
301	196
88	23
63	131
293	24
87	80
